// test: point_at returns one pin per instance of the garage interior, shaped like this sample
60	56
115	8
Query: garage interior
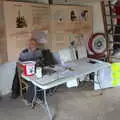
99	34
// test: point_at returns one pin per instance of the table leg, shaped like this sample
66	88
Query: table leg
46	106
34	98
97	78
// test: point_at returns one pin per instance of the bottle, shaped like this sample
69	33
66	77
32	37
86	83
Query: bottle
38	72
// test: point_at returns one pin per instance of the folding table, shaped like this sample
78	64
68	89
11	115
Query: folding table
79	68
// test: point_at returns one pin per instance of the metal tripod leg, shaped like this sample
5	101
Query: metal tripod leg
34	98
46	106
97	78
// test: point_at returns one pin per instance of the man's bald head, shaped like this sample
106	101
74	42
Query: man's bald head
32	44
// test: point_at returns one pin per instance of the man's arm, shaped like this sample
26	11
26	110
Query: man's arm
27	55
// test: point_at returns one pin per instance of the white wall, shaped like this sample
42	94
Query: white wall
7	70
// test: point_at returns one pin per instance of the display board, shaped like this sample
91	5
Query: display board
69	21
55	26
40	16
71	18
22	20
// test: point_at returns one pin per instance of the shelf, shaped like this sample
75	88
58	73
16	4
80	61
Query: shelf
110	49
111	5
114	57
113	34
111	42
113	16
112	25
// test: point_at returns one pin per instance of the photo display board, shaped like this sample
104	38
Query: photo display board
23	21
67	21
55	26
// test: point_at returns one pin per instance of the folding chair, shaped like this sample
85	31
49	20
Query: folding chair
22	82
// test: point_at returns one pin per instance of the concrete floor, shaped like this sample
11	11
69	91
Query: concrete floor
68	104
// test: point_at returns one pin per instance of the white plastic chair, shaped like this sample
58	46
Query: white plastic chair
82	52
67	54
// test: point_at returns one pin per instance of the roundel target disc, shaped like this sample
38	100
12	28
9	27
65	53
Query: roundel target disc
97	43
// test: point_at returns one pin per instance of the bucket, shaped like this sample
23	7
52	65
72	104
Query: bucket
29	68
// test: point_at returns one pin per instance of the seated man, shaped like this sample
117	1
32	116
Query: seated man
32	53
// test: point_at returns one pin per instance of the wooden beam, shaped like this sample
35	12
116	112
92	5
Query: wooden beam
50	2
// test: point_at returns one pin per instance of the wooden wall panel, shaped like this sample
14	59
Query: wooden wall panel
21	20
68	21
3	45
18	27
63	24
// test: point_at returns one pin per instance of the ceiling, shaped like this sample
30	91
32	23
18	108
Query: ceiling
61	1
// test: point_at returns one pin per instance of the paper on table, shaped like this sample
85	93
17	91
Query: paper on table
72	83
59	68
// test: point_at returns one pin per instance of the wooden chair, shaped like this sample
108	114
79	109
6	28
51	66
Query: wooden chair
22	82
